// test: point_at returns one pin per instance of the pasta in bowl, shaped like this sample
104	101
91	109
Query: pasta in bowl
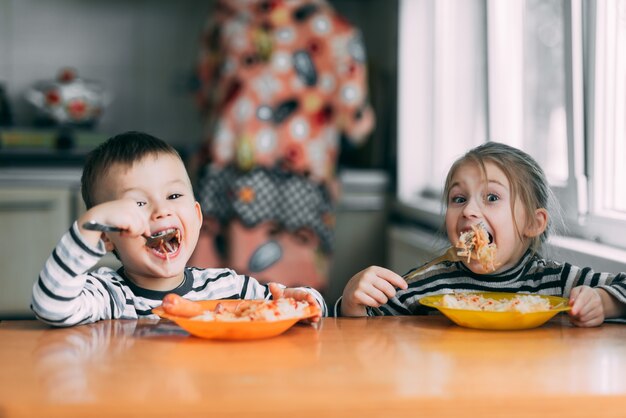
497	310
237	319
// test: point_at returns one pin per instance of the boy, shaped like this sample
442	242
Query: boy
139	184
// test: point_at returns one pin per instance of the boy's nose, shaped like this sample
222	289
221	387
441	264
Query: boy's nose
161	210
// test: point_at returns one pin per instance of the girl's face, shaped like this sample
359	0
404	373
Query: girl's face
471	200
162	189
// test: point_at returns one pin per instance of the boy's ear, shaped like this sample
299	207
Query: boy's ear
199	211
538	225
108	245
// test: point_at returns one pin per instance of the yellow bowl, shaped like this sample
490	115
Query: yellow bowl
498	320
233	330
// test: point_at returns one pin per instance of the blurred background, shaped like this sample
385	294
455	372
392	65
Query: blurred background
144	53
548	76
137	60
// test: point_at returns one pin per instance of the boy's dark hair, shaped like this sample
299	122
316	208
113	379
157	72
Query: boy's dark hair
125	148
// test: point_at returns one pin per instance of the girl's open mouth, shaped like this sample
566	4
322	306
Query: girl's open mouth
468	232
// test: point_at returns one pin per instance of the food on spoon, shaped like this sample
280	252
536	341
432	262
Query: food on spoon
476	302
475	244
165	242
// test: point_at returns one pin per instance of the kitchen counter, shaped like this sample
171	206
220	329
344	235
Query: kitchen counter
30	147
41	176
41	158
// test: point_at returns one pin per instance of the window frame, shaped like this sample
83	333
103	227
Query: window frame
596	224
573	195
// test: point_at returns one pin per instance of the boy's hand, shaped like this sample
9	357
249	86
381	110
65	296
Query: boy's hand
373	287
587	306
297	294
123	213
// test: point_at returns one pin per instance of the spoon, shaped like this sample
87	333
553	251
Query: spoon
151	240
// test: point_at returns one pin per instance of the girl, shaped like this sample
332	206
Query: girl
506	191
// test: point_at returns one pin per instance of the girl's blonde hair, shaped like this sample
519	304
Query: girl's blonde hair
526	178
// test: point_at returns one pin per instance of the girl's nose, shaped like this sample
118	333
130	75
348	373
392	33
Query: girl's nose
472	209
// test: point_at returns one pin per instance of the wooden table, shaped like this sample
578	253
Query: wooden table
366	367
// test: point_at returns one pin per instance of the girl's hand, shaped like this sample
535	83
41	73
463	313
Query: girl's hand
373	287
587	307
297	294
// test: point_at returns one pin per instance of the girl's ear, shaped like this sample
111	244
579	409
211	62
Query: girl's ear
538	224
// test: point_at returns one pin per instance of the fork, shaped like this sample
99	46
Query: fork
449	255
151	240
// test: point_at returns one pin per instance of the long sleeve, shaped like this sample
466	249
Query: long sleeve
614	284
64	294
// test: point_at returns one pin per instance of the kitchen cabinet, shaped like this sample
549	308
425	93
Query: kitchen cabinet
360	239
32	220
37	206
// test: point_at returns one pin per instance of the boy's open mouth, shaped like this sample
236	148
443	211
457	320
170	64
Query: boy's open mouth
165	242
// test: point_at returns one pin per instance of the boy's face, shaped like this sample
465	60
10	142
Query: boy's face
471	200
161	187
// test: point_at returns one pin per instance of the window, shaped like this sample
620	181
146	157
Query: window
547	76
442	101
527	80
606	221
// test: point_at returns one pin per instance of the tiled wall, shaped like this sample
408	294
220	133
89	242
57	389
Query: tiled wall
143	51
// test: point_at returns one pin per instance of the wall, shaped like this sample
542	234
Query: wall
378	21
143	51
362	214
410	247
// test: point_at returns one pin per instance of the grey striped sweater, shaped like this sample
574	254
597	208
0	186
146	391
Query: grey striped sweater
532	274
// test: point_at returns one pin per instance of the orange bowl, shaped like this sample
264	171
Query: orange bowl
233	330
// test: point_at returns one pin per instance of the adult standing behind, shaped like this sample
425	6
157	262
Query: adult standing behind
282	81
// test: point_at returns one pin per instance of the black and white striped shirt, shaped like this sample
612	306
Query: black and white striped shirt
67	294
532	274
